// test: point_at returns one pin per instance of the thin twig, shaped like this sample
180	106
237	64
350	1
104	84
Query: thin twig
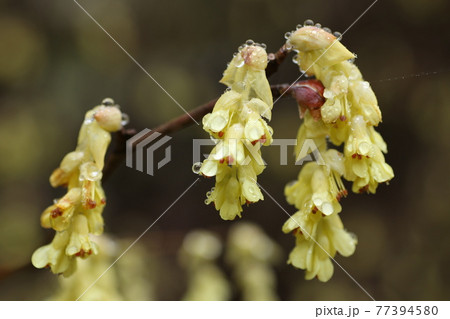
275	60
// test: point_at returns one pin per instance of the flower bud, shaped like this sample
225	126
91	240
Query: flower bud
109	118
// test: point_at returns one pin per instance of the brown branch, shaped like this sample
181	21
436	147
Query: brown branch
275	60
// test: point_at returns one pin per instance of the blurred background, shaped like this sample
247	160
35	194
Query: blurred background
56	63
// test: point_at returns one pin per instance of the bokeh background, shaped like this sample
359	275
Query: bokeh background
55	64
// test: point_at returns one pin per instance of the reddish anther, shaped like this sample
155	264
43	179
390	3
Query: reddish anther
364	189
90	204
56	212
262	139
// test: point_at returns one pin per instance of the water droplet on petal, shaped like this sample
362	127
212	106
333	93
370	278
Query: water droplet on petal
89	171
89	120
308	22
318	25
215	140
327	208
249	42
291	183
338	35
196	167
294	59
326	29
264	46
287	35
299	26
108	102
125	119
228	89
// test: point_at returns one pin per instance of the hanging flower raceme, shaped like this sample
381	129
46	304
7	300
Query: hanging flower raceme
348	117
78	214
237	126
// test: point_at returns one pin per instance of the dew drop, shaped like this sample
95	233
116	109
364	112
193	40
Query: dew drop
291	183
287	35
326	29
249	42
89	120
353	236
264	46
94	176
338	35
228	89
241	64
125	119
108	102
327	208
299	26
89	171
215	140
196	167
318	25
294	59
308	22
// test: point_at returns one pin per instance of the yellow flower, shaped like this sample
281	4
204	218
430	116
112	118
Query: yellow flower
317	49
236	124
347	117
313	251
79	212
53	255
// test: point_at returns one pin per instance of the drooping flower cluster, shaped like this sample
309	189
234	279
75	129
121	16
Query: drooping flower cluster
199	254
237	126
252	255
347	117
78	214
